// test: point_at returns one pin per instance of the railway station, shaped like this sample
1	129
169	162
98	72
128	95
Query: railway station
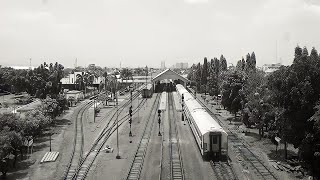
160	130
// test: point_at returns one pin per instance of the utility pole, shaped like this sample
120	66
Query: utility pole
94	110
146	84
50	138
118	155
138	108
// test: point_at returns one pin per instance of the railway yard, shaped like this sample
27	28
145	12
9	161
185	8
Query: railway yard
163	145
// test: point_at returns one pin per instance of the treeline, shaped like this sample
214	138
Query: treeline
42	82
284	103
39	82
16	131
207	77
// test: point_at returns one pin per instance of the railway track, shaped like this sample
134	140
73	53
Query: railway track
138	160
89	158
77	150
259	168
176	165
76	159
222	170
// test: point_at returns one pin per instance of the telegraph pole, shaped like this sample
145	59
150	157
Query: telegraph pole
118	155
130	112
146	84
138	108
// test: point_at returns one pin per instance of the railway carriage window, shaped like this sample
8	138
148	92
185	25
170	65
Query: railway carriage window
204	146
214	139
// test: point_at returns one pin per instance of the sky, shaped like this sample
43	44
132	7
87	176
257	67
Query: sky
145	32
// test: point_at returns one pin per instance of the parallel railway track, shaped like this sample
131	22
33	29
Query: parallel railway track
77	151
259	168
176	165
76	169
222	170
89	158
138	160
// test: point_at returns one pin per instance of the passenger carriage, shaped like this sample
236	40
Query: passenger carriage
211	139
148	91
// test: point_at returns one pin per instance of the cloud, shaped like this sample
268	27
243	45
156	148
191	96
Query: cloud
196	1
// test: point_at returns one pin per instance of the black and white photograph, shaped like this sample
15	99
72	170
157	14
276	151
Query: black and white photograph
160	89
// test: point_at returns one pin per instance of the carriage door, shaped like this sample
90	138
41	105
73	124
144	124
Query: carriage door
215	143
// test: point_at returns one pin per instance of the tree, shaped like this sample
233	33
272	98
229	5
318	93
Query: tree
204	73
231	97
223	63
126	74
106	80
213	83
36	122
239	66
11	135
198	76
296	90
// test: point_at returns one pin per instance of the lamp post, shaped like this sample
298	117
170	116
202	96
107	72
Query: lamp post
118	155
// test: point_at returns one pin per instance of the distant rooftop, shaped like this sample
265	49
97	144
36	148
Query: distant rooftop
21	67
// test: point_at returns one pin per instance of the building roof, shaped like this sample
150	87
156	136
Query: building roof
169	74
73	92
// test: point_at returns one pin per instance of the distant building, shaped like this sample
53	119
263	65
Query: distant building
181	66
76	95
269	68
163	65
70	80
92	66
22	67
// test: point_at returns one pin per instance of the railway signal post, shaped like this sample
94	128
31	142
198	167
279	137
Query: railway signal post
159	121
130	120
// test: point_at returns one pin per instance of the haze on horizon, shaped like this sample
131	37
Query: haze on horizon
146	32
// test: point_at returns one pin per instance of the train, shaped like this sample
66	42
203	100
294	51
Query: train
147	91
210	137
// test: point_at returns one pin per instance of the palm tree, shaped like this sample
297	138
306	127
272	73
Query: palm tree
80	81
126	74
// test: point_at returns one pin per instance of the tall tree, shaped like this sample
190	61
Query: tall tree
198	76
231	97
204	73
223	63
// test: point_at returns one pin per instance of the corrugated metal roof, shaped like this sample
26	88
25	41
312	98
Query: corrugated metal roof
171	73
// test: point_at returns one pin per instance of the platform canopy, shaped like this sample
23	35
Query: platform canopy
169	74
